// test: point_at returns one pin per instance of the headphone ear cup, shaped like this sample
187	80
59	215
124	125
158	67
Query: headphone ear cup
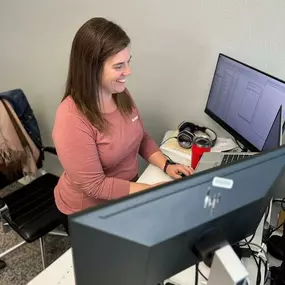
182	126
212	135
185	139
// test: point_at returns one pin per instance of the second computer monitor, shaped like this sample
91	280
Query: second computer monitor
147	237
244	101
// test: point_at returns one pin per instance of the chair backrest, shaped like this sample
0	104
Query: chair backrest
21	107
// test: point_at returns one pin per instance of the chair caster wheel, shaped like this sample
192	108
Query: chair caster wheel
2	264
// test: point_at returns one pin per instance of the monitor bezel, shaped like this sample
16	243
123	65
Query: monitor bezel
222	123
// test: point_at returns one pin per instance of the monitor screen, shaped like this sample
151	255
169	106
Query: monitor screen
244	101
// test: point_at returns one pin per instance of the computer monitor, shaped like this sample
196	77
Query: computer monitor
244	101
148	237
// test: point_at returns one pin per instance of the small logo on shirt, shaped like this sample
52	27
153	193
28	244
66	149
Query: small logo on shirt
135	118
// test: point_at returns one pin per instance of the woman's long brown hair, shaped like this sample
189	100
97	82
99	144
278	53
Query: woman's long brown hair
96	41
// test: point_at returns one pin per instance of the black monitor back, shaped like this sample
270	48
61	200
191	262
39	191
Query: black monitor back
151	236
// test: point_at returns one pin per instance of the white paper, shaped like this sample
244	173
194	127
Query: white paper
223	144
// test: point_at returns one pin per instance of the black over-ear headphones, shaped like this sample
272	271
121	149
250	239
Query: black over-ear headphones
186	134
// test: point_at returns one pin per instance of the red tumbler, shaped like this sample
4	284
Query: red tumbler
199	146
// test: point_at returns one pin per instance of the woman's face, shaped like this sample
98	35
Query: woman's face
115	71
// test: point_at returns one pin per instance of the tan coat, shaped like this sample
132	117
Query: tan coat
17	151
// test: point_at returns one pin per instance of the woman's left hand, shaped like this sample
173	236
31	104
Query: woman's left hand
175	170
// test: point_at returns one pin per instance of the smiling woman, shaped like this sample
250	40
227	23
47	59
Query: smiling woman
99	57
98	132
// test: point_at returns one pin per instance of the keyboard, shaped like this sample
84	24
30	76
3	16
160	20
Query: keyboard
227	158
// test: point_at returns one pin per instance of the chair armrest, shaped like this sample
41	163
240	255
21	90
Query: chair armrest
2	203
50	149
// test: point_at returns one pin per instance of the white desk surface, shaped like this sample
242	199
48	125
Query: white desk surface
61	272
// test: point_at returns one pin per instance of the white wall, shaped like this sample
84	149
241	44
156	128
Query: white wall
174	45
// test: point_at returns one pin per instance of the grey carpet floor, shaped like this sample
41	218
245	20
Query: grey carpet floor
25	262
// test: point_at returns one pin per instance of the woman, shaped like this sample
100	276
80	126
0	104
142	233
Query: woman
98	131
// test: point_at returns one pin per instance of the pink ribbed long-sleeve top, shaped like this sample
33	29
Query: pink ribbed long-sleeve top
97	166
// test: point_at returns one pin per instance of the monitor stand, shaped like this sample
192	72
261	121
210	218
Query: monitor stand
225	265
227	268
217	254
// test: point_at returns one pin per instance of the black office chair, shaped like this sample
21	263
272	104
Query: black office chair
31	211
